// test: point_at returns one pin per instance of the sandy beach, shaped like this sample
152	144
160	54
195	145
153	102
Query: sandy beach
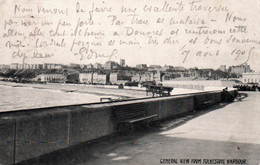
18	96
128	92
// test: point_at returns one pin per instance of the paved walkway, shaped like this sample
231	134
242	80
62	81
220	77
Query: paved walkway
226	132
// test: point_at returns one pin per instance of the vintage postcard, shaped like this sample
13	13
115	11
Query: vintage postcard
130	82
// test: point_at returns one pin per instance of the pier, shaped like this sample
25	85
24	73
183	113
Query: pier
225	133
33	134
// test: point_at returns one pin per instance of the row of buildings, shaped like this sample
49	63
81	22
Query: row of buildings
252	77
98	77
121	77
237	70
118	77
112	72
109	65
17	66
55	78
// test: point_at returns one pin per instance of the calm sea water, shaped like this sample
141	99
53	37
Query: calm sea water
15	98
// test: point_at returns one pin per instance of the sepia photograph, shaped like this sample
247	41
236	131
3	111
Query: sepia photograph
137	82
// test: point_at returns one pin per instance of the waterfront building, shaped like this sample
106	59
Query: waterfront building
72	77
31	66
36	66
14	66
86	77
20	66
119	77
252	77
142	76
51	78
146	76
100	78
157	76
51	66
239	69
109	65
26	66
3	66
136	77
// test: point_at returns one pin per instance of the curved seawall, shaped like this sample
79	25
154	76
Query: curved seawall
32	133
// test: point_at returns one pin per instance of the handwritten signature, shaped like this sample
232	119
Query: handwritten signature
87	53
